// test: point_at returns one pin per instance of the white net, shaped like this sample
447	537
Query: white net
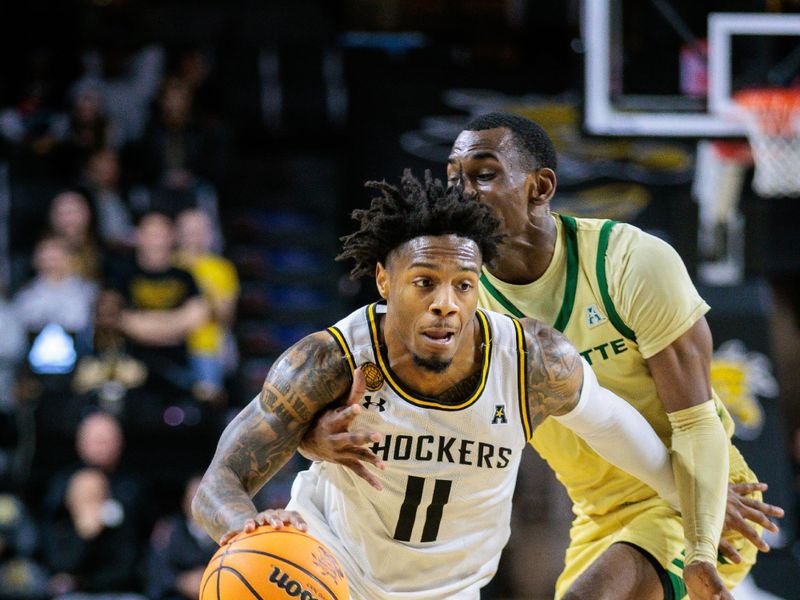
772	118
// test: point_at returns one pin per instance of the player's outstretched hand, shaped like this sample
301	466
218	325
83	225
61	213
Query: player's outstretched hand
329	438
704	583
740	511
274	517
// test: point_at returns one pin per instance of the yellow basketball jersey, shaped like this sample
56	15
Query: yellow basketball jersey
587	315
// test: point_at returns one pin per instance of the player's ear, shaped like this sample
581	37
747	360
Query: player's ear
540	185
382	280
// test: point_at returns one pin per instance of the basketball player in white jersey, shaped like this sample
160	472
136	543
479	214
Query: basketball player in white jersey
455	392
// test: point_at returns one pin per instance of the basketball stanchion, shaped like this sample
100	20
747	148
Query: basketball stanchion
772	120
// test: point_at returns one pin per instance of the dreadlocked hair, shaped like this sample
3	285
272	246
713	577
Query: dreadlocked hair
416	209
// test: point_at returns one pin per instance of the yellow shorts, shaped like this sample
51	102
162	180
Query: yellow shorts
656	528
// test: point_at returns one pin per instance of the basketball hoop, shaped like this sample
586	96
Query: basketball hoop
772	119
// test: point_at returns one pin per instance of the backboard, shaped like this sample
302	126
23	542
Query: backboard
668	68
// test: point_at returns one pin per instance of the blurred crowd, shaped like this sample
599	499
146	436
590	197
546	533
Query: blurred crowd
116	309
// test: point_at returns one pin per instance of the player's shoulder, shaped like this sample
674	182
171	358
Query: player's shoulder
629	246
318	343
317	357
545	342
553	371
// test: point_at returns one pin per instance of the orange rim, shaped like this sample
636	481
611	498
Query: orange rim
776	109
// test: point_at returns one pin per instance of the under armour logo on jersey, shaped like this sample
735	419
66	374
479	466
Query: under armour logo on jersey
499	414
368	402
594	316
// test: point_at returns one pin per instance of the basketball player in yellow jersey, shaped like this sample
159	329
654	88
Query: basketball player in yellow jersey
626	302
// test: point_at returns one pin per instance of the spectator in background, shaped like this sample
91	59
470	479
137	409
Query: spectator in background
89	129
56	310
33	127
102	177
211	347
180	152
57	294
162	305
12	348
194	67
127	82
91	545
179	552
71	217
21	577
99	443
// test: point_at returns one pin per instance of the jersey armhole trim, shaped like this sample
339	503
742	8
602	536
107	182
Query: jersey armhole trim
522	379
571	237
337	335
498	295
602	280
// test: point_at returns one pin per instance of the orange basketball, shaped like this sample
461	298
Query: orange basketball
273	564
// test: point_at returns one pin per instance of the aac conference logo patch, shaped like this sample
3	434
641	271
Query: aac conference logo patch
372	376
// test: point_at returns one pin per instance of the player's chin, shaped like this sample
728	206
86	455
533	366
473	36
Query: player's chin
434	362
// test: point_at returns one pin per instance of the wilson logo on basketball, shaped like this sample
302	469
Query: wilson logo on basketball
291	587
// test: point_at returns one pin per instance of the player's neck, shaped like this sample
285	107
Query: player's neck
466	362
524	257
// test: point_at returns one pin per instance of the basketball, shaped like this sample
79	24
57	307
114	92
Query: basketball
274	564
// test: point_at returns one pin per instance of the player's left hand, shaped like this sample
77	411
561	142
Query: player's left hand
740	511
330	439
704	583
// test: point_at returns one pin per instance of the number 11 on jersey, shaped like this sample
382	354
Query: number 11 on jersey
412	500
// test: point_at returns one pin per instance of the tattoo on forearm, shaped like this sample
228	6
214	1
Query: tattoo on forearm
554	372
259	441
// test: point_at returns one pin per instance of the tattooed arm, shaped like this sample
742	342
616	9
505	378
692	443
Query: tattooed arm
562	385
258	442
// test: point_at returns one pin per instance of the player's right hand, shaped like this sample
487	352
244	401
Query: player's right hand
274	517
329	438
741	510
704	583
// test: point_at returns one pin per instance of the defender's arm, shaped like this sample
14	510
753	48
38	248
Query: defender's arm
562	385
258	442
681	372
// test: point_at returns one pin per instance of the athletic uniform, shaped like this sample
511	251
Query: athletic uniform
437	528
620	296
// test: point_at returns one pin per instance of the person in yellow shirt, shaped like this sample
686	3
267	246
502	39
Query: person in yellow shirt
209	345
625	300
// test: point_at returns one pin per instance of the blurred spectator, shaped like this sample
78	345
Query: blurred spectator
211	346
12	348
102	177
21	577
127	83
89	129
108	372
34	125
57	294
99	443
162	306
91	545
179	151
72	217
194	67
179	552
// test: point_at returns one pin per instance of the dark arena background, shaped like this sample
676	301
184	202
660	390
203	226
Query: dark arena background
254	125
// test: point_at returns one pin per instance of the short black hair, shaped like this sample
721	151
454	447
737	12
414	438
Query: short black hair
532	141
416	209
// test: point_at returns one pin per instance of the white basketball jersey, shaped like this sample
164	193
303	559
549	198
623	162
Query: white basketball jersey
437	528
